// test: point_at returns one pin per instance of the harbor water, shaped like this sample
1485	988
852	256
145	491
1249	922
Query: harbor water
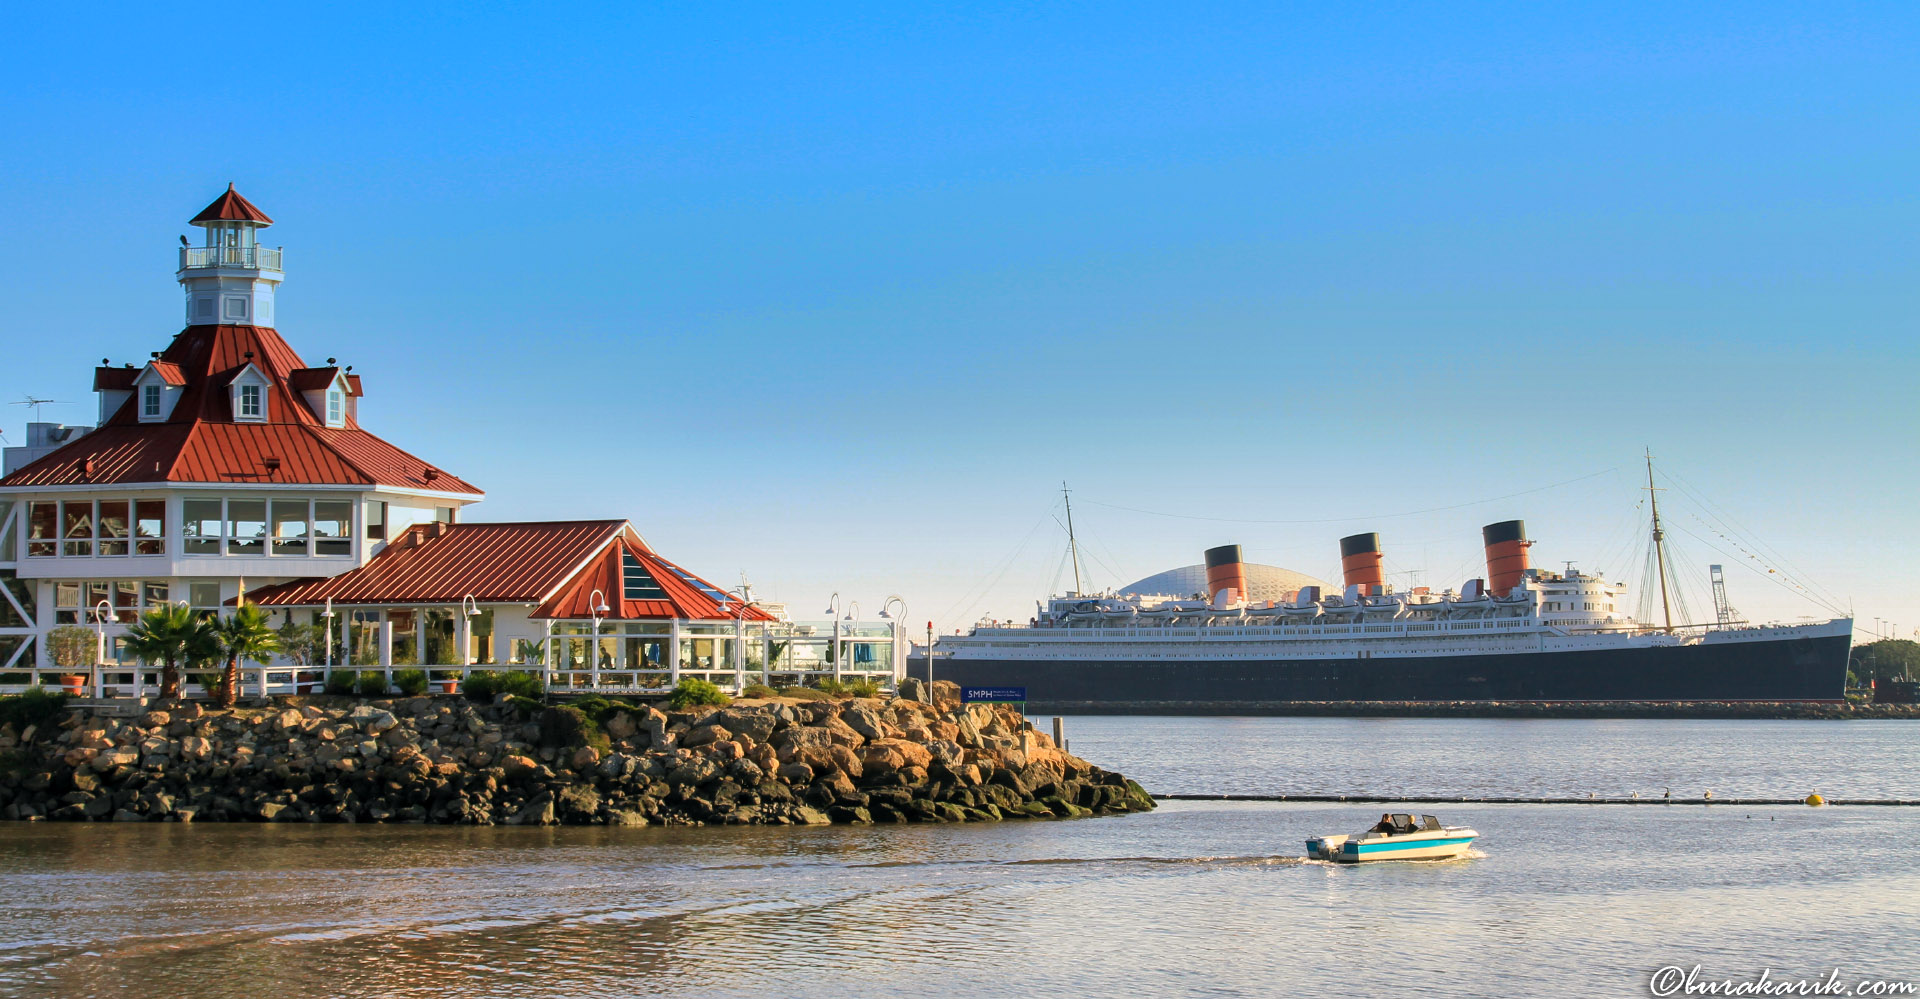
1195	899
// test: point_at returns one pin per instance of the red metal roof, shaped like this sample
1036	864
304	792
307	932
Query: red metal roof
312	379
231	207
684	599
555	564
200	442
496	563
114	379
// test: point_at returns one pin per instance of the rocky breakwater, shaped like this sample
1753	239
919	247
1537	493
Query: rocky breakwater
776	761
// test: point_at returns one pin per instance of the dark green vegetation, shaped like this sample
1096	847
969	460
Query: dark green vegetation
1887	659
692	692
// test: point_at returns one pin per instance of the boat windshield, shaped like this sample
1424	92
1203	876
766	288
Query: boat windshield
1429	822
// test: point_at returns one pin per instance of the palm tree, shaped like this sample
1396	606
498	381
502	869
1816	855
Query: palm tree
169	635
243	634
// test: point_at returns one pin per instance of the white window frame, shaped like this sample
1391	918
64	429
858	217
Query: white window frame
151	399
336	407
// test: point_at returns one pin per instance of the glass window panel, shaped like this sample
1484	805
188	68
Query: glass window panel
289	527
332	527
481	628
363	635
126	601
76	528
246	527
99	591
153	594
66	594
150	527
442	649
406	645
43	525
200	531
203	595
376	520
113	527
636	583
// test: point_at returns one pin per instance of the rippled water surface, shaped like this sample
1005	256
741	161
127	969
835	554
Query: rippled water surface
1196	899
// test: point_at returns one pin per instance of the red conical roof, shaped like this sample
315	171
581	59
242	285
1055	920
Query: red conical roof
231	207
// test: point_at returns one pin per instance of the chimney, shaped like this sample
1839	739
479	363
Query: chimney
1225	571
1507	546
1360	562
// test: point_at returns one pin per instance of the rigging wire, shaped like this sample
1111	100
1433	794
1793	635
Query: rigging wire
1732	531
971	599
1343	520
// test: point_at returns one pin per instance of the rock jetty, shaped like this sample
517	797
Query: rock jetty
776	761
1805	710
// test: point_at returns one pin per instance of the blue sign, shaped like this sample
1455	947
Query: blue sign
993	695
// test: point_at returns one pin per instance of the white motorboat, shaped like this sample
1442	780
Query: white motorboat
1397	836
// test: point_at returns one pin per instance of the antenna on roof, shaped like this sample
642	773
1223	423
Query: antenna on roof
37	403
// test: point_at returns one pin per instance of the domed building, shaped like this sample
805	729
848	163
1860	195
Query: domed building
1264	583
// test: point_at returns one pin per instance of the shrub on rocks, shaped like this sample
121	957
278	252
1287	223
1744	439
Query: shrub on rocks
759	691
411	682
340	682
486	684
694	692
371	683
35	706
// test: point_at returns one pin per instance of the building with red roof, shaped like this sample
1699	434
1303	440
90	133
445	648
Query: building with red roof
225	464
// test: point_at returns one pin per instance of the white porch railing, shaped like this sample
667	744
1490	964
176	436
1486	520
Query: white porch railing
197	257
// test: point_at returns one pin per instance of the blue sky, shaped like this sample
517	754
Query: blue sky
840	296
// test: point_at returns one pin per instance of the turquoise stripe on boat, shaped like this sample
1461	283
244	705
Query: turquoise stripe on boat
1351	847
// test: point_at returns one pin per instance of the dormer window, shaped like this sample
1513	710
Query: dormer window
249	402
336	407
150	401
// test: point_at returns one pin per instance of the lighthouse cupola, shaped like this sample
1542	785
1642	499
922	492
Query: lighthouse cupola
230	280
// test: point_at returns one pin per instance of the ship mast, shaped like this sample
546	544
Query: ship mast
1659	544
1073	546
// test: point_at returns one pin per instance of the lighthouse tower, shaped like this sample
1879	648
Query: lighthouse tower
231	279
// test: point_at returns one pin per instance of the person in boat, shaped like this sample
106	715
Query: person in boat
1385	825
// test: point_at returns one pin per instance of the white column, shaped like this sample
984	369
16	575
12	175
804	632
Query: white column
463	634
673	653
739	655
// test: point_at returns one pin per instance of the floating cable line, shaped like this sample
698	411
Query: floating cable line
1344	520
1727	528
969	600
1775	577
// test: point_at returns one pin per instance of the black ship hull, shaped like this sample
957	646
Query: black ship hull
1797	669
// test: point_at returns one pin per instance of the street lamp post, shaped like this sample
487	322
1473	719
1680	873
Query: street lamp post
833	651
899	658
739	639
599	609
326	676
100	612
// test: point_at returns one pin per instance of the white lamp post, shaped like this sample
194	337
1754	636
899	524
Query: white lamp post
833	651
599	609
899	659
326	675
100	612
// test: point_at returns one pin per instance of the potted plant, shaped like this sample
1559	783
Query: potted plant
450	685
72	648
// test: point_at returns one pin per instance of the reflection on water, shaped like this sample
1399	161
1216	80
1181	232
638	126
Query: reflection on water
1200	899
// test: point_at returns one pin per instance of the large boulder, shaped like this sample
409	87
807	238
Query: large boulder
564	726
866	721
755	723
888	755
701	735
913	689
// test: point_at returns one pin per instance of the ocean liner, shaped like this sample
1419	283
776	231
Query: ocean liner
1518	634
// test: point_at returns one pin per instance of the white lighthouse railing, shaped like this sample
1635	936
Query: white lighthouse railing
261	257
